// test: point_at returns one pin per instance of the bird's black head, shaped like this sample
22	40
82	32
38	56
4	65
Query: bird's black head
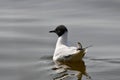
60	30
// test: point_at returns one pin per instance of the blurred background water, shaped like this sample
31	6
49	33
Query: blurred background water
26	47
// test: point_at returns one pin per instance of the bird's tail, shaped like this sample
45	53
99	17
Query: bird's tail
82	50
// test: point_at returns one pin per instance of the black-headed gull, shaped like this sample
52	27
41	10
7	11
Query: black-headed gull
65	56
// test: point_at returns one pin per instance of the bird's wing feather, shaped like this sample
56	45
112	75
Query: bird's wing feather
68	53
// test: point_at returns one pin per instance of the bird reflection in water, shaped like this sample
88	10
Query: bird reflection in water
72	65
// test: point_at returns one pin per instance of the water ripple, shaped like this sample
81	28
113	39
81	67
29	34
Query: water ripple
108	60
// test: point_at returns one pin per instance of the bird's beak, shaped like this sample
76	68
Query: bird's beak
53	31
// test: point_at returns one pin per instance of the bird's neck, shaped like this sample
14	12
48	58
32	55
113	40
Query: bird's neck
62	40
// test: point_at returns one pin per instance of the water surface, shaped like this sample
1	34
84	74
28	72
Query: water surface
26	47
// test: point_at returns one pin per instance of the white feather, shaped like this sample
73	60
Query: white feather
64	53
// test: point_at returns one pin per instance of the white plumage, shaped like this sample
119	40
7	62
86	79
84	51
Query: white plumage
69	57
63	53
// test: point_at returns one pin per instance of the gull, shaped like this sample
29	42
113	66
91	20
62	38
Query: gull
65	56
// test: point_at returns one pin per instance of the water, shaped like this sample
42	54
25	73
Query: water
26	47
